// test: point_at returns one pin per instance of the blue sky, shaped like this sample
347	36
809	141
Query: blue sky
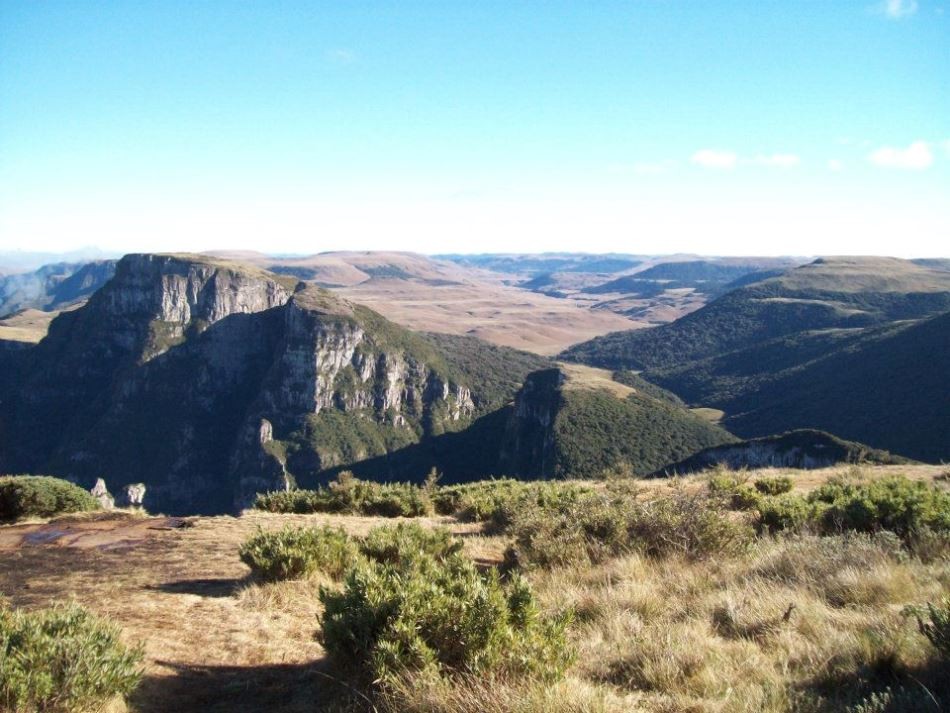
769	127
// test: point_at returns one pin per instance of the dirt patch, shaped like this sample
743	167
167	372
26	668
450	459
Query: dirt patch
99	533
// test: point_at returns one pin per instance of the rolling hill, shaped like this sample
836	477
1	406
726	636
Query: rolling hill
847	345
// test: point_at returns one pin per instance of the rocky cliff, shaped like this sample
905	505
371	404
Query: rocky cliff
204	378
802	449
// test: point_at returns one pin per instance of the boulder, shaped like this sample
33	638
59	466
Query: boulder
132	496
101	493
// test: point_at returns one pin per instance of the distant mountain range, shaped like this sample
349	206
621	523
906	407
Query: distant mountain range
854	346
53	287
211	380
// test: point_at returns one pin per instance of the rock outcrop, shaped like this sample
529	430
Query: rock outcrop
804	449
210	381
101	493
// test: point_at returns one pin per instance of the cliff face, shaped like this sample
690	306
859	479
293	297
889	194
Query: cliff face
201	378
804	449
530	441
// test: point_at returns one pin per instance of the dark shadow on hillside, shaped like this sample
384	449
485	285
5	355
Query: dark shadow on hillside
214	588
288	688
461	456
884	687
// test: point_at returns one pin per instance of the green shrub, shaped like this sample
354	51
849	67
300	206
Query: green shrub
733	488
893	503
777	485
476	502
41	496
292	553
350	495
787	512
934	623
439	613
905	507
61	660
398	545
294	501
602	526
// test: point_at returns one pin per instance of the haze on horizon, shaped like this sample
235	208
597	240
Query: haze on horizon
651	127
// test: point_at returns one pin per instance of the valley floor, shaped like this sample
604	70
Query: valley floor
661	635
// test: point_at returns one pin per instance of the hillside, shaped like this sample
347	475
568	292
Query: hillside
572	422
884	386
805	449
828	293
843	345
705	623
53	287
205	378
709	277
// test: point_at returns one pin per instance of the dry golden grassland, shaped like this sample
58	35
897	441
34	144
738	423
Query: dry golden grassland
771	629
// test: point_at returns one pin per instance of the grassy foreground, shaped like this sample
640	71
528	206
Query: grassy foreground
791	622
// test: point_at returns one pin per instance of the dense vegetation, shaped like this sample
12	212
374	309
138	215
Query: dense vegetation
595	431
675	592
41	496
488	500
62	660
409	600
800	351
825	381
493	373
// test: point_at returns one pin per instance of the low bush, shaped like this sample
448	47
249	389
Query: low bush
61	660
350	495
398	545
477	502
733	488
432	610
292	553
601	526
776	485
787	512
897	504
41	496
933	621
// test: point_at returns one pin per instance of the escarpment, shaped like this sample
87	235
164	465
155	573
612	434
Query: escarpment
203	378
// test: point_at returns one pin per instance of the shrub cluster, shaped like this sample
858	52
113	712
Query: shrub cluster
352	496
604	525
934	623
415	603
477	502
897	504
61	660
292	553
733	488
41	496
776	485
410	601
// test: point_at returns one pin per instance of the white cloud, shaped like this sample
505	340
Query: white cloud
835	165
915	157
946	147
777	160
896	9
646	168
713	158
341	55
